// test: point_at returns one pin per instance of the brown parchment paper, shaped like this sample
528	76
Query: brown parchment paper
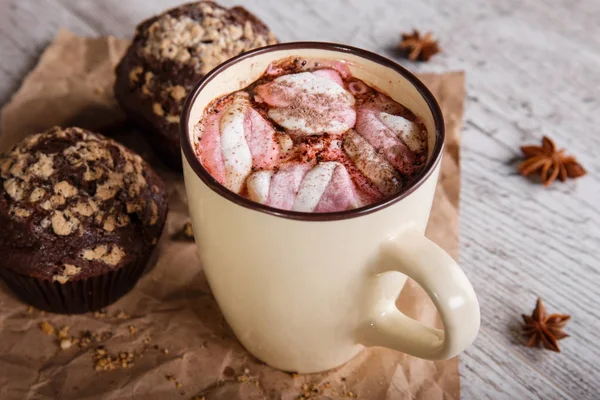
172	306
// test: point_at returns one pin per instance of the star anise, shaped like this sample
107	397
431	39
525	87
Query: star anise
549	162
419	48
545	329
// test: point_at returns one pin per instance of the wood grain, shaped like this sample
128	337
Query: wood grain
532	68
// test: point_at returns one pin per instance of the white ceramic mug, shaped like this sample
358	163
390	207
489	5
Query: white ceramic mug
306	292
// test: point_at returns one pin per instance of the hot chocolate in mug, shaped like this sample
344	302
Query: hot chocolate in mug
306	292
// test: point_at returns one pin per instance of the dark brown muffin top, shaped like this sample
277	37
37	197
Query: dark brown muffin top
200	35
171	52
184	43
75	204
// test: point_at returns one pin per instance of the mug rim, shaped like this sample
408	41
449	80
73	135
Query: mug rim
190	155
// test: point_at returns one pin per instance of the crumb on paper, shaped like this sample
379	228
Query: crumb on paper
165	351
63	333
188	231
314	391
29	310
99	90
47	328
132	330
100	314
86	338
122	315
171	378
65	344
104	361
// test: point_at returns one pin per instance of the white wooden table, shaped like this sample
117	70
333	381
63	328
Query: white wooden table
533	68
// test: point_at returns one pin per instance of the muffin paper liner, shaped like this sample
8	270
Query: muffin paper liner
76	297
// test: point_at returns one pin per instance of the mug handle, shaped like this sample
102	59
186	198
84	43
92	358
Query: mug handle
412	254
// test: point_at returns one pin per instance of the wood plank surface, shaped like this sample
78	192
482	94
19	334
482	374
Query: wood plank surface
533	68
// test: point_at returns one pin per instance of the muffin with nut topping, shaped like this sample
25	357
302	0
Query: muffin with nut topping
80	216
169	54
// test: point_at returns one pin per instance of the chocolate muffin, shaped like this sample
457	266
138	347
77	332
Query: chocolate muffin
80	217
169	54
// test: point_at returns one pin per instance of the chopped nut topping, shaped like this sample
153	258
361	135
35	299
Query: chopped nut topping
154	211
65	189
178	92
109	223
108	189
60	279
202	42
36	195
173	119
86	208
18	168
14	189
100	253
57	200
64	223
148	77
158	110
68	272
134	74
20	212
43	168
93	174
5	164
